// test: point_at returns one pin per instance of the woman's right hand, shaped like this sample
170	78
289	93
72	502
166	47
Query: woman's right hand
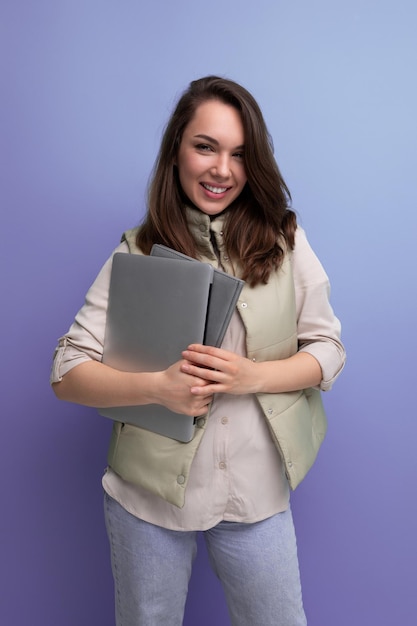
172	390
95	384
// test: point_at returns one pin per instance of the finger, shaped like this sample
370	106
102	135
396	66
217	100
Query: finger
202	411
196	358
206	375
205	361
198	349
211	387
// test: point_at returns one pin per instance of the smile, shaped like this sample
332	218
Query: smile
214	189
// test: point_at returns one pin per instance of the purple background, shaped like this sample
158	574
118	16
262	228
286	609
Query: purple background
86	89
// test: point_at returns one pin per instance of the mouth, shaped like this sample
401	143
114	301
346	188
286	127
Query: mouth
212	189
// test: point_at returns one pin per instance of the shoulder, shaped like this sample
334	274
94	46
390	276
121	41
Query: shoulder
102	279
307	267
129	237
301	240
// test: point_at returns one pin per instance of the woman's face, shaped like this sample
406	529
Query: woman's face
210	159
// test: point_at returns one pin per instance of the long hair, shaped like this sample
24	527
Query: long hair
259	224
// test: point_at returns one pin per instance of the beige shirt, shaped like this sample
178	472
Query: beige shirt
237	474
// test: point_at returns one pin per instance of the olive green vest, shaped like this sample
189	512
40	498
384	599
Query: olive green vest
296	419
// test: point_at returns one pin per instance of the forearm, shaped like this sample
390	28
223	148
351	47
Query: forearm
299	371
94	384
227	372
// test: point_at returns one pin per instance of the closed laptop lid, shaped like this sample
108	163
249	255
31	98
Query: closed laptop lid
224	295
156	309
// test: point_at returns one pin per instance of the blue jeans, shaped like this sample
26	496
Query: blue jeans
256	563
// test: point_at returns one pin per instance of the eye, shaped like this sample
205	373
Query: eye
203	147
239	155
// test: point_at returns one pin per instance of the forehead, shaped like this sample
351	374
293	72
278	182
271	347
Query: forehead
218	120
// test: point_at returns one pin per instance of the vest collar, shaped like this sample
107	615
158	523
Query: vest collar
203	229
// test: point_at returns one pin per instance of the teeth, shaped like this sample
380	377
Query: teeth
215	189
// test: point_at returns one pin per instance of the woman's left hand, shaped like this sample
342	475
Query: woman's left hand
226	371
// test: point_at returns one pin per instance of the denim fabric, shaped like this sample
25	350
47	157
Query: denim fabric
256	563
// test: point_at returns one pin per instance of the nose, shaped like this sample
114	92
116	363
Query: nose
221	168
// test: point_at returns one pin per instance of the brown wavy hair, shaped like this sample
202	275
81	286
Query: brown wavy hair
265	225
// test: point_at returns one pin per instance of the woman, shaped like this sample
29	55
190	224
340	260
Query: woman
216	195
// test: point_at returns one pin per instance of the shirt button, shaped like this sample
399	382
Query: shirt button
203	228
200	422
244	305
270	411
180	479
289	463
221	233
224	420
222	465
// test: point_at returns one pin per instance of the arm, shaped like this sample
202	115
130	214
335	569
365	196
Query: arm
321	355
78	375
94	384
318	329
230	373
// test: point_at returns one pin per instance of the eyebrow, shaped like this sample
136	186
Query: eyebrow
216	143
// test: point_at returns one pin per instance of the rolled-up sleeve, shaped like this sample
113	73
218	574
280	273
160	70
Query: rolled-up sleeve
85	338
319	330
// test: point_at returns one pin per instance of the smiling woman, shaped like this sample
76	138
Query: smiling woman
217	195
210	159
264	215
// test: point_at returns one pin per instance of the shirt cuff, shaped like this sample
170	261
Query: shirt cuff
330	359
65	358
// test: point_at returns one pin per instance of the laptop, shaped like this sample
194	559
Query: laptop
156	309
223	297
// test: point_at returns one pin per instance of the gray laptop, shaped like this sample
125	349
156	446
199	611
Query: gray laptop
156	309
222	301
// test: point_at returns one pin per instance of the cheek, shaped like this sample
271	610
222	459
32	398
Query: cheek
243	179
186	169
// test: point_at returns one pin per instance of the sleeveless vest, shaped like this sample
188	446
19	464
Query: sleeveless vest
296	419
